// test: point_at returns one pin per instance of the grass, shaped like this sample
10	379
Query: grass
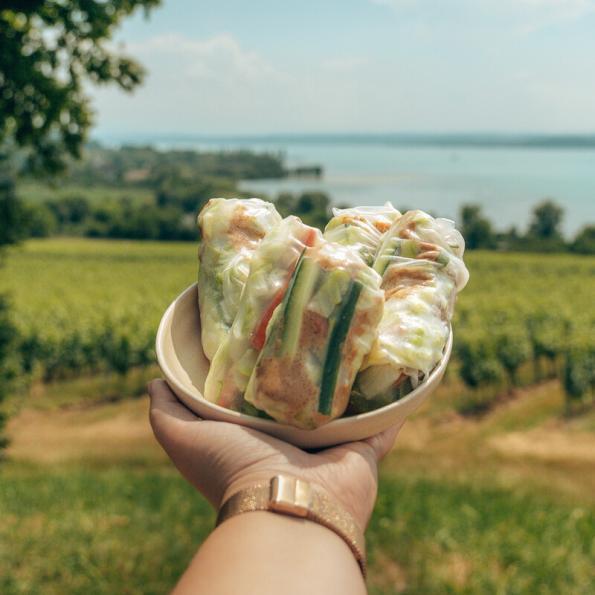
446	538
129	529
117	530
90	504
502	502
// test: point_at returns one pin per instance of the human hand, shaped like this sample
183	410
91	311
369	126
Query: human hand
220	458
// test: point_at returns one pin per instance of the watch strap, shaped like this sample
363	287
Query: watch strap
295	497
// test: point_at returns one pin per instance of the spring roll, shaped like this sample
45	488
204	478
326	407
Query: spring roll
361	227
231	229
271	269
422	270
317	338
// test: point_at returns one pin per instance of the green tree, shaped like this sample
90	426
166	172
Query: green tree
51	50
584	242
546	220
12	213
476	229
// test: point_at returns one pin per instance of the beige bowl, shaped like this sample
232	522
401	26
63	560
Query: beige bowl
185	367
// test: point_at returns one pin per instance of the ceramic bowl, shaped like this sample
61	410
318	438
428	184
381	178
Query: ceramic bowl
185	367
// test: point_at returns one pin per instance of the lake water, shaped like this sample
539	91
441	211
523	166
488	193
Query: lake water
506	181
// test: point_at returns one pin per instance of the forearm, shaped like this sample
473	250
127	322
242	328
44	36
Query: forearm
267	553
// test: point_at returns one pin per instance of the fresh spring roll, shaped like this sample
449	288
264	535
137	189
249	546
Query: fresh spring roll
271	269
361	227
420	261
317	338
230	232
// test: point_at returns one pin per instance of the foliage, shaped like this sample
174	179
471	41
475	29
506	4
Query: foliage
170	214
12	213
89	305
314	208
543	235
579	367
105	201
476	229
51	50
479	361
521	309
148	167
546	221
12	224
513	349
584	242
7	344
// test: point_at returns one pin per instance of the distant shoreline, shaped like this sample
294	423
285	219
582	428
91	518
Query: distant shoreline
445	140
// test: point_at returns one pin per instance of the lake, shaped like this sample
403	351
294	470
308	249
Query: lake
505	178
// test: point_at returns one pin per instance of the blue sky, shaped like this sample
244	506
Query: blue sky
264	66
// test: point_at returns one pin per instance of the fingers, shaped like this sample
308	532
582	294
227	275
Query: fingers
372	449
383	442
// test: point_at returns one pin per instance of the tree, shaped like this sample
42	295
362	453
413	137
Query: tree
584	242
312	207
12	212
50	50
476	229
546	221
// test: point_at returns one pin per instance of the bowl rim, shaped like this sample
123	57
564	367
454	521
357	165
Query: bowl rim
264	423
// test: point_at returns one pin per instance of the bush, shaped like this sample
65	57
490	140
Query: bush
584	242
314	208
477	354
7	339
513	348
579	368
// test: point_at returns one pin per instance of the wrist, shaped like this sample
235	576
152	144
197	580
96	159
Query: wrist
351	504
291	496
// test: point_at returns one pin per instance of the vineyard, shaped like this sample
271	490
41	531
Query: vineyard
84	306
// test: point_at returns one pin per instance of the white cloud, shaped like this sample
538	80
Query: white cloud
220	57
218	85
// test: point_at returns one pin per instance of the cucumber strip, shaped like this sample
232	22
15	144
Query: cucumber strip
291	283
332	361
299	295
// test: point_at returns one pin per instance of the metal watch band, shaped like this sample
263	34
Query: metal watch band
288	495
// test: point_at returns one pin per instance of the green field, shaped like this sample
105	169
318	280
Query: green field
501	504
84	306
498	503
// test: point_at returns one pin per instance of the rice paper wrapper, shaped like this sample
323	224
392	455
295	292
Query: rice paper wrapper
362	228
231	229
422	270
422	237
271	267
317	338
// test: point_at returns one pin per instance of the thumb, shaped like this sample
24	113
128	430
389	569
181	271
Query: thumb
383	442
168	417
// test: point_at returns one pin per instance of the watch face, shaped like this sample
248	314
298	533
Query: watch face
290	495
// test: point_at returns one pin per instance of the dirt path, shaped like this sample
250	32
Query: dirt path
523	440
112	431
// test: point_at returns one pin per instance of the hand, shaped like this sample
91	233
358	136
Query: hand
220	458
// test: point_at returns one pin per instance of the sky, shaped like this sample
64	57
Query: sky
236	67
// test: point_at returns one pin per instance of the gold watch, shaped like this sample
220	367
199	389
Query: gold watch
288	495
